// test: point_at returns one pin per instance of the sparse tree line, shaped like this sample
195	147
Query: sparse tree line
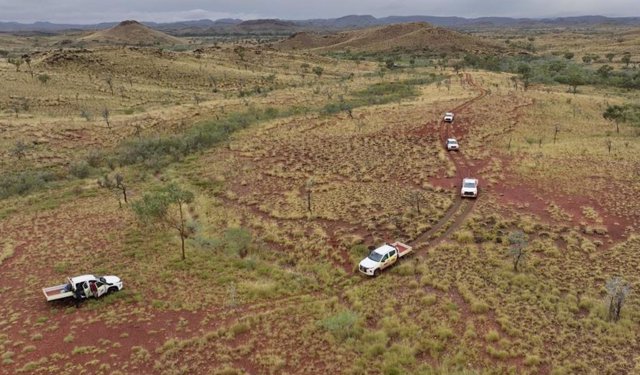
559	70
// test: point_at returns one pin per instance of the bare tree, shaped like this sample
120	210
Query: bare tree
609	144
115	184
518	248
309	188
105	116
415	198
109	80
27	60
617	291
556	130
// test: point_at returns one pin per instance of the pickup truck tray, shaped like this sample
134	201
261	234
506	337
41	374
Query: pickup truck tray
402	248
57	292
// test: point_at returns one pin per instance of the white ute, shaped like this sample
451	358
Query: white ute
85	286
469	188
448	117
383	257
452	145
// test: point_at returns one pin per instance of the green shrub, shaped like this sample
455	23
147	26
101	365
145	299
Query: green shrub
80	169
341	325
24	183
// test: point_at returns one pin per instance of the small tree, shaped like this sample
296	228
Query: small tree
237	241
309	189
610	56
587	59
526	73
166	208
240	51
574	78
617	291
517	248
115	184
626	59
569	55
105	116
415	198
109	81
17	62
27	60
318	70
556	130
617	114
604	71
19	150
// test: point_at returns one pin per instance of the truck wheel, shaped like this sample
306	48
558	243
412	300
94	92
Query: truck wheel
113	289
376	273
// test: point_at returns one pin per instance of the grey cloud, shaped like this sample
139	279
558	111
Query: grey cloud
90	11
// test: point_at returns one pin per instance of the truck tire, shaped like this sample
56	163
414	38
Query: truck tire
376	273
113	289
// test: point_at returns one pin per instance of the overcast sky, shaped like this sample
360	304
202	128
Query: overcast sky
93	11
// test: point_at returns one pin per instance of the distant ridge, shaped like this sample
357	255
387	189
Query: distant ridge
396	37
348	22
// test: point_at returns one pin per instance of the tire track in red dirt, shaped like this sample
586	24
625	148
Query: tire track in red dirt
461	163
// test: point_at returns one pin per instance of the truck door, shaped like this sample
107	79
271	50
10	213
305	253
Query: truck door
393	256
86	289
384	262
102	289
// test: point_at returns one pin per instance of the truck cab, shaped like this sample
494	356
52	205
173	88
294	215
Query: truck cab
469	188
448	117
452	144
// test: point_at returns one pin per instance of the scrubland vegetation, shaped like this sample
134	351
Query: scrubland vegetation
234	190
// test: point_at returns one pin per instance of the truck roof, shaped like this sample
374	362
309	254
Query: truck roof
82	279
382	250
468	179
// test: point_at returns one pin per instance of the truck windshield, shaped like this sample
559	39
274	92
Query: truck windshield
375	256
470	185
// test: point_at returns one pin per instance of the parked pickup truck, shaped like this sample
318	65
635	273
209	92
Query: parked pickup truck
383	257
85	286
469	188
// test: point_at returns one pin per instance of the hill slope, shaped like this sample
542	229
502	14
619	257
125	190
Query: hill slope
398	37
131	33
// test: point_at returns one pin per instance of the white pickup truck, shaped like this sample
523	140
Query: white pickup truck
85	286
448	117
469	188
383	257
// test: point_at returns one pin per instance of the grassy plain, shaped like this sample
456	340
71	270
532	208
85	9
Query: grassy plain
269	286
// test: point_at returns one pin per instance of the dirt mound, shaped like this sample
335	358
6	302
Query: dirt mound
131	33
397	37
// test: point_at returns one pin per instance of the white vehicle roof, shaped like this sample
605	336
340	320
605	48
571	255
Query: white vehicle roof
451	140
82	279
449	114
382	250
